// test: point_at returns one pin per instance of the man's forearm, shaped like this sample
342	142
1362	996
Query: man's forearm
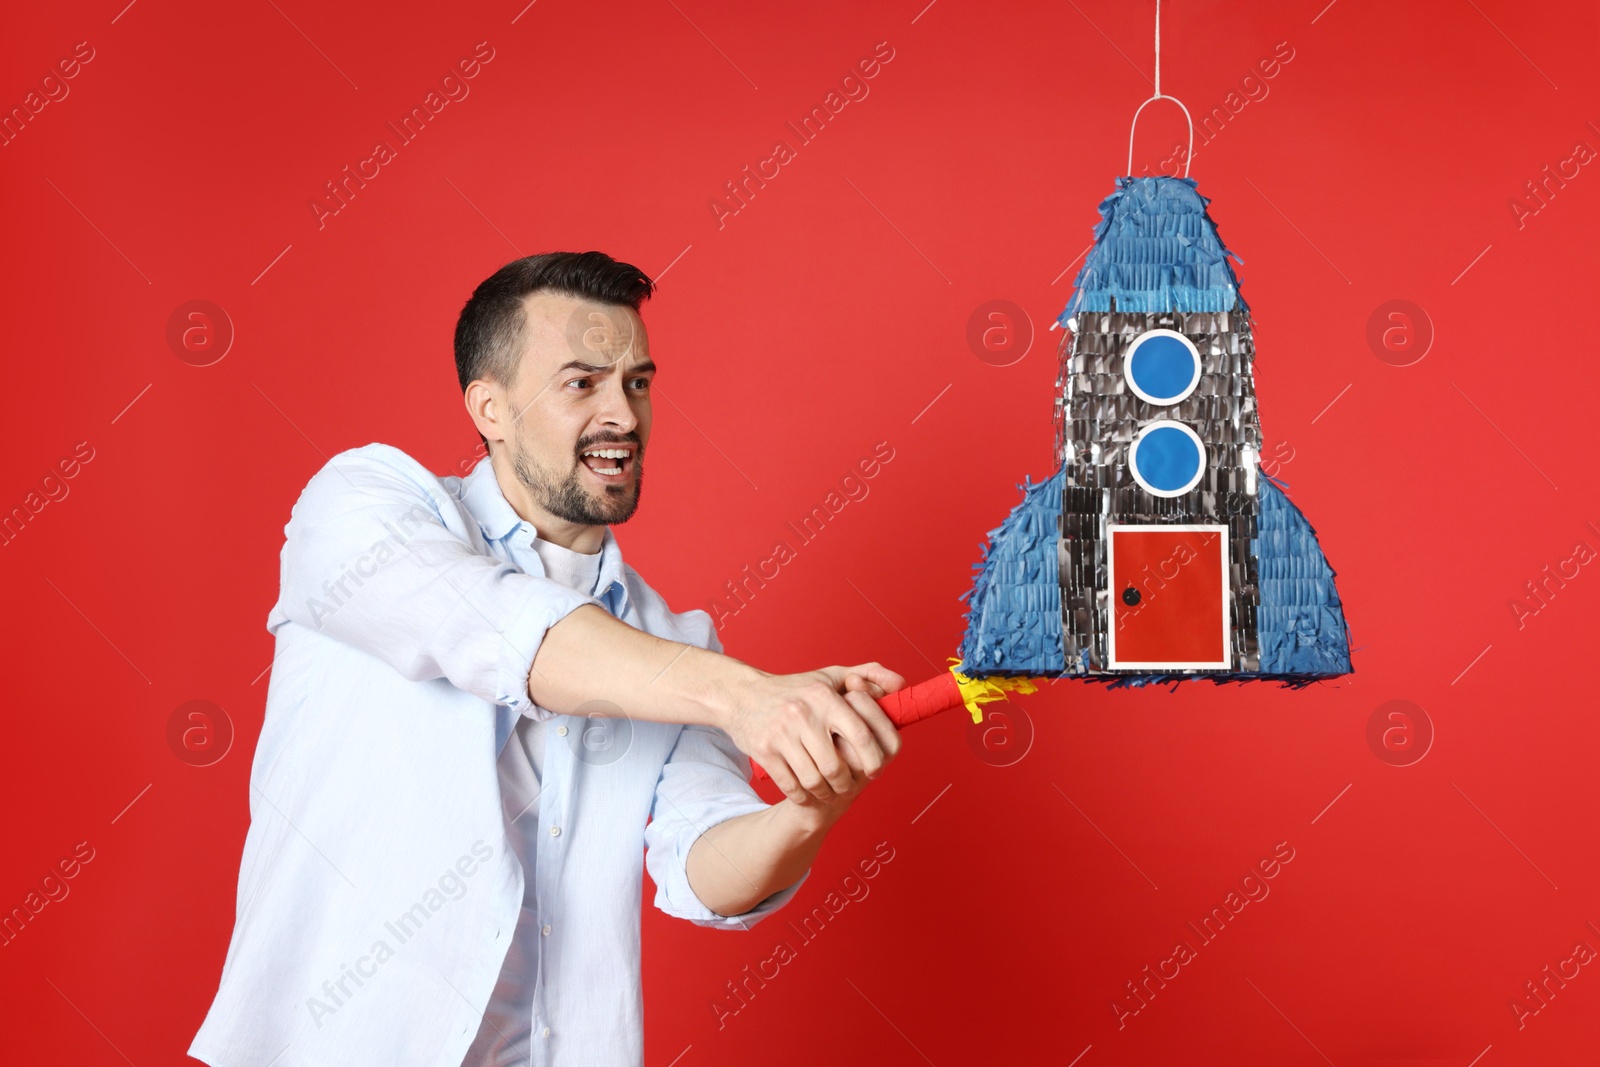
807	730
590	657
742	861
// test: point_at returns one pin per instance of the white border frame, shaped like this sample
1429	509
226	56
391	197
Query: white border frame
1112	595
1127	368
1133	455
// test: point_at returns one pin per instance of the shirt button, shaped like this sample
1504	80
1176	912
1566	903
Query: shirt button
545	1032
555	831
561	731
546	930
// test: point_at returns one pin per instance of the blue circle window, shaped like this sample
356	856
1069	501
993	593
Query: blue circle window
1167	458
1162	366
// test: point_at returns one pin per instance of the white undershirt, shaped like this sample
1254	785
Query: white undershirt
506	1031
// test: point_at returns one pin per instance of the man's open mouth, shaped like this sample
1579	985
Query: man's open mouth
610	464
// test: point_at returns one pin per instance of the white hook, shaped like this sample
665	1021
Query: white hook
1187	156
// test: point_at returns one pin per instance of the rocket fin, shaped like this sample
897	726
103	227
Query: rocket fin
1014	605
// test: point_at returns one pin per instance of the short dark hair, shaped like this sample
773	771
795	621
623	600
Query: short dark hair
489	332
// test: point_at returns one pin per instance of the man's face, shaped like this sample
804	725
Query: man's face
583	385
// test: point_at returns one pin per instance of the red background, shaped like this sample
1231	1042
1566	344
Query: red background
818	321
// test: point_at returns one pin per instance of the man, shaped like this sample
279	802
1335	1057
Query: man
475	708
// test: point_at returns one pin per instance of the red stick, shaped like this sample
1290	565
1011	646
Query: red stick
923	700
912	704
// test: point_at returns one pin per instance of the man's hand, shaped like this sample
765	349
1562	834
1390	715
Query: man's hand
820	734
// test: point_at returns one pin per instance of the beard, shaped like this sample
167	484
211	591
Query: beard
568	499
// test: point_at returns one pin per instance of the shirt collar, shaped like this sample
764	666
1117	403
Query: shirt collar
481	493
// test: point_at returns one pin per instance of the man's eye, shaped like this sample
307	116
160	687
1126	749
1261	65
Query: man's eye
641	383
579	381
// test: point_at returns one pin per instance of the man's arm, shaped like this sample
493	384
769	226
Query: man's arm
378	557
737	864
788	723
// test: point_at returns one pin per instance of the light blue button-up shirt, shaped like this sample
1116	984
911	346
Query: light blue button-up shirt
377	891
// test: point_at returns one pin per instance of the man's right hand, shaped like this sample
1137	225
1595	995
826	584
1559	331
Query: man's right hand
813	732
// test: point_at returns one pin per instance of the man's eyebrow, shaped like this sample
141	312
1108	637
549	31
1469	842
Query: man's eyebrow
591	368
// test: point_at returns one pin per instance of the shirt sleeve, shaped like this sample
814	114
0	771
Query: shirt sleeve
378	556
706	780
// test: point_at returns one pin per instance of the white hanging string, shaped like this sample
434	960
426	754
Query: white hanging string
1190	155
1158	49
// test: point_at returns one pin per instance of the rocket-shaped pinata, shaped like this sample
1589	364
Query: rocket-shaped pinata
1159	550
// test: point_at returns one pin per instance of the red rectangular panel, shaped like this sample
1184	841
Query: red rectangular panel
1177	580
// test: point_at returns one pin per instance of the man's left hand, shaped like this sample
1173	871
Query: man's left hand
862	694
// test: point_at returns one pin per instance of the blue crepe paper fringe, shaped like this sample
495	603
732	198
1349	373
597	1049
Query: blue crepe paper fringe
1155	249
1014	616
1300	623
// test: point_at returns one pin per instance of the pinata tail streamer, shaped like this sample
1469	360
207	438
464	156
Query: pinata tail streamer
976	692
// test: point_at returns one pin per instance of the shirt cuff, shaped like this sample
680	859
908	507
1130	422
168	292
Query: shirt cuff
547	603
676	897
